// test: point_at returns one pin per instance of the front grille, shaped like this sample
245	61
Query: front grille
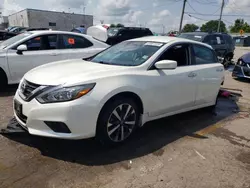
27	89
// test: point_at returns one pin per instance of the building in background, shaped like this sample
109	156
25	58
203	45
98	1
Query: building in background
33	18
3	22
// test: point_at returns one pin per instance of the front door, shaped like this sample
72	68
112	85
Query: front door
173	90
41	50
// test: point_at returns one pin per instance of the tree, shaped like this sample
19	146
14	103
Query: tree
117	25
211	26
190	28
238	25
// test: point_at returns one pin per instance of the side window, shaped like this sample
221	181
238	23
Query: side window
73	41
219	39
45	42
203	55
228	39
178	53
213	40
34	44
207	39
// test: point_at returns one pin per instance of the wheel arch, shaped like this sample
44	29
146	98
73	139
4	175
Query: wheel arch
125	94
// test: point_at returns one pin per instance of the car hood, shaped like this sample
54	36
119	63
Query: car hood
246	58
71	72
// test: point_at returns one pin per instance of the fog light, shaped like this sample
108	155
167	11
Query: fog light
58	127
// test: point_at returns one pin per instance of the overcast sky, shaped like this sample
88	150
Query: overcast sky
156	14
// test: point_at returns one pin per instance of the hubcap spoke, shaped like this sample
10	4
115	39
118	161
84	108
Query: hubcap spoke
122	132
117	115
127	112
113	130
129	122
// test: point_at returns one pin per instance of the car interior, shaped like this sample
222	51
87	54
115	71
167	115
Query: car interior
178	53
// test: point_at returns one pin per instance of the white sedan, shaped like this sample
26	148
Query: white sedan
119	89
26	51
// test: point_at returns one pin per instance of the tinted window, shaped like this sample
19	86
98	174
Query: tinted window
228	39
72	41
45	42
203	55
207	39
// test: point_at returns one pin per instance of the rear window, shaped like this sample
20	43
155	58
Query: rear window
112	31
191	37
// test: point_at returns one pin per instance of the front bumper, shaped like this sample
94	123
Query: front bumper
241	72
79	115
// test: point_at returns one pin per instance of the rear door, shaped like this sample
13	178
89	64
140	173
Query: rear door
74	47
41	50
209	74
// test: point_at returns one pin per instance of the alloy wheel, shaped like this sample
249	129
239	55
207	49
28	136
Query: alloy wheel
121	122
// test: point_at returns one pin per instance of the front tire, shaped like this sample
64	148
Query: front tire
117	121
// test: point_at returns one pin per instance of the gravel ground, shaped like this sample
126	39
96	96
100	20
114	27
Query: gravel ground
194	149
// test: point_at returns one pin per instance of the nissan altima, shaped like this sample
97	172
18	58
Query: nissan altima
116	91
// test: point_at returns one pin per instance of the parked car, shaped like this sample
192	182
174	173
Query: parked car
242	67
117	35
26	51
79	30
222	43
17	29
119	89
6	35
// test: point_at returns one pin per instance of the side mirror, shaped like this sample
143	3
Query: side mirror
21	48
166	64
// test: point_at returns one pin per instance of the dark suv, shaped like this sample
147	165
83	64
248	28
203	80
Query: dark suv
117	35
222	43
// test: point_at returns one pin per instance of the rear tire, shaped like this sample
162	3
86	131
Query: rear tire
3	80
117	121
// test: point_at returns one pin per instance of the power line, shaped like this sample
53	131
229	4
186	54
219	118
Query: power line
233	15
198	12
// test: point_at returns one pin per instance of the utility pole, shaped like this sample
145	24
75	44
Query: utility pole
222	6
182	14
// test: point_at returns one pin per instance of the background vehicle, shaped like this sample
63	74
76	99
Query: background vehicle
242	67
119	89
222	43
23	52
117	35
79	30
17	29
6	35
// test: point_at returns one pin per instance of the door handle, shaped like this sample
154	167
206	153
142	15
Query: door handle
192	75
54	54
219	69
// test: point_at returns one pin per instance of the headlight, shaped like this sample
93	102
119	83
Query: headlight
64	94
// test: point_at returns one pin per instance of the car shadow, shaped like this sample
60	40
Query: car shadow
149	139
10	90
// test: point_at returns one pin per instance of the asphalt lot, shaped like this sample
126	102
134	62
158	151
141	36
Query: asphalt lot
195	149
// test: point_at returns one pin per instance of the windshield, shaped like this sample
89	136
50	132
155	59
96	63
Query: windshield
128	53
112	31
14	39
191	37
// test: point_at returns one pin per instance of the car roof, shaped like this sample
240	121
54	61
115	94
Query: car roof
166	39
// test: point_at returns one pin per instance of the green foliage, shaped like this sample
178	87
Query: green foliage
190	28
238	25
211	26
